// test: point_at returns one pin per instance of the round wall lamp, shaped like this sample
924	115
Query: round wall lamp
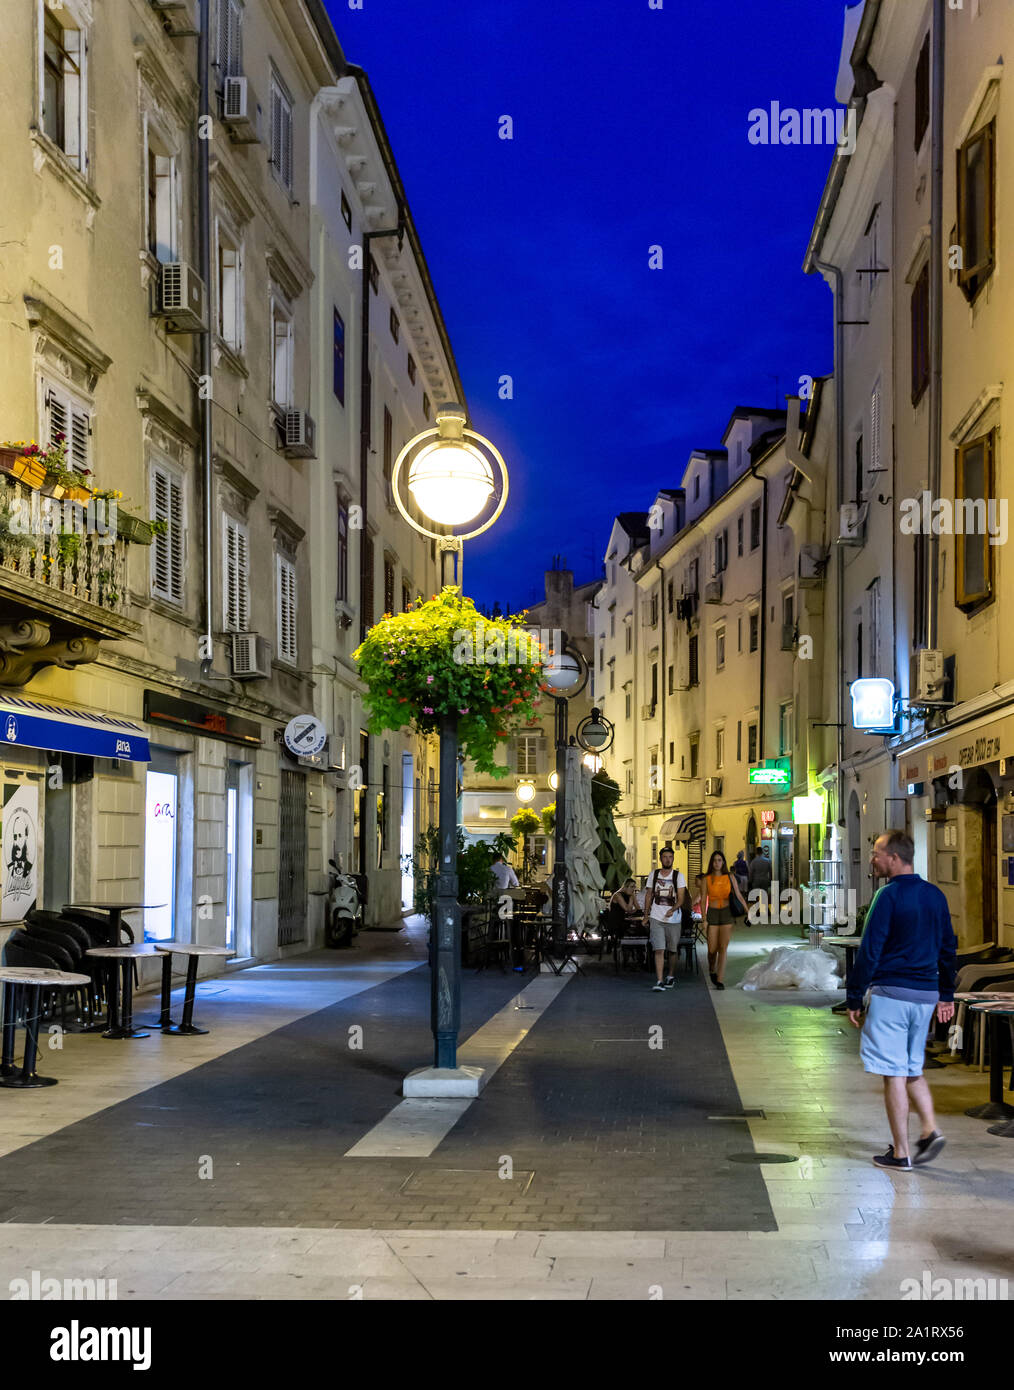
525	791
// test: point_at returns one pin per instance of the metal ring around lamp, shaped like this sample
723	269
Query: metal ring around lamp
419	440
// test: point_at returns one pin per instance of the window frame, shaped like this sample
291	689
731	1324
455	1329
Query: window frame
281	311
338	355
970	602
235	344
229	56
242	587
972	278
71	138
172	545
282	107
919	320
286	624
77	425
342	555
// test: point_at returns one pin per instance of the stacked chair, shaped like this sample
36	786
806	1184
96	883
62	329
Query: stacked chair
58	941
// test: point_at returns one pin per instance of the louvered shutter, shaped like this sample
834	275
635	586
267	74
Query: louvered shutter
57	415
276	126
80	430
286	584
286	144
167	550
237	590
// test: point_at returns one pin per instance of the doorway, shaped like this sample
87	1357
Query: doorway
161	813
857	882
407	827
291	858
238	857
751	838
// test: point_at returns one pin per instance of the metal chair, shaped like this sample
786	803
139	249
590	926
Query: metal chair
494	938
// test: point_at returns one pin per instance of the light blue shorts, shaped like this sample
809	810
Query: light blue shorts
893	1040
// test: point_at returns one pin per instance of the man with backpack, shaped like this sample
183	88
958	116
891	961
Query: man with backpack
664	896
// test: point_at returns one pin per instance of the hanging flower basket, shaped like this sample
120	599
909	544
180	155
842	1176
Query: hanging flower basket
134	529
444	658
24	464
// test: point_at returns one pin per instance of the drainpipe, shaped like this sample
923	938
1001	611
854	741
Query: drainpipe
764	602
936	290
839	472
366	404
204	270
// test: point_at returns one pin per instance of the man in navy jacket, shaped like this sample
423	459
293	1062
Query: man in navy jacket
907	962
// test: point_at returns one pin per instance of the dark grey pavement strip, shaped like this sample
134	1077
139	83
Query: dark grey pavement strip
617	1137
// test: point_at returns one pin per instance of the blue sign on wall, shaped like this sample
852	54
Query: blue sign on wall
99	737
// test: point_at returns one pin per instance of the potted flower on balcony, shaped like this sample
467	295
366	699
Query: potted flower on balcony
24	461
61	480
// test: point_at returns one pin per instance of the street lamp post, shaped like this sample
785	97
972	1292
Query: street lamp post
451	479
566	676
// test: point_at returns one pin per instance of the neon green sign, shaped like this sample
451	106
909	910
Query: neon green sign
769	776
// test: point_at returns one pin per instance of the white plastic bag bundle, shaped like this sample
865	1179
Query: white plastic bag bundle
789	967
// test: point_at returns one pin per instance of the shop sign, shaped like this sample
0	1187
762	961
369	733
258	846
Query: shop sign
305	735
767	817
200	719
873	703
808	810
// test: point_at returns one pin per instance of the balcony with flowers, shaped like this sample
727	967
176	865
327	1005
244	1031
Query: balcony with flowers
63	562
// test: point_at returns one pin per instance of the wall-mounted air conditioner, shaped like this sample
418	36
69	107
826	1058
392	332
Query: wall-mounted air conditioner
927	676
299	435
240	112
182	298
812	563
712	786
852	523
788	637
251	656
647	711
178	16
713	590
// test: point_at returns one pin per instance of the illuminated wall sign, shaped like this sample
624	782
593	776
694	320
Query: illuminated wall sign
808	810
873	703
767	817
769	777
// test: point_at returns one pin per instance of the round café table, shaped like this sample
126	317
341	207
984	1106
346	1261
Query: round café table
115	911
995	1108
121	960
191	949
22	985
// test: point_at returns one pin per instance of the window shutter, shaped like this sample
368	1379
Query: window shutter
161	560
237	590
80	429
286	573
57	415
276	127
286	144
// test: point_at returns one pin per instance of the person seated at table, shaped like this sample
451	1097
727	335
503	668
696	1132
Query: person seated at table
504	876
622	904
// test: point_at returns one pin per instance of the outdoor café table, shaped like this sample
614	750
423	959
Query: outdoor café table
31	981
116	911
998	1013
121	960
850	945
166	949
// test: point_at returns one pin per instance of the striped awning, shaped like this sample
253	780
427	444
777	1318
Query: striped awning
684	825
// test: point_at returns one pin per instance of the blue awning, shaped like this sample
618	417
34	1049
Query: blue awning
38	724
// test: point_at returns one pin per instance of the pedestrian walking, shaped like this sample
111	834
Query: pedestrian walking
663	906
722	888
742	871
760	870
907	960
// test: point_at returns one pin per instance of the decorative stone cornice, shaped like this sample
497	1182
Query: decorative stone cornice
149	403
66	329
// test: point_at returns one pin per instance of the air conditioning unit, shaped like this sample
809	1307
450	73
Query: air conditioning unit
852	523
655	799
927	676
182	298
712	786
647	711
299	435
251	656
788	637
713	591
240	112
177	16
812	562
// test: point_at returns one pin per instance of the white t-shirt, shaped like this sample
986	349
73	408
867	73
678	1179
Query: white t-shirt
664	889
504	876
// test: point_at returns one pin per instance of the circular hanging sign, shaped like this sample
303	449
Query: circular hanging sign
305	735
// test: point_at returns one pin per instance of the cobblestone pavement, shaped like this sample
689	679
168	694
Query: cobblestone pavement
100	1182
600	1114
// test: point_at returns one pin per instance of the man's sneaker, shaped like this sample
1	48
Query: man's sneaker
658	987
670	982
888	1160
926	1150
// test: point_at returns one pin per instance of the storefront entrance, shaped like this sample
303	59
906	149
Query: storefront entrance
291	858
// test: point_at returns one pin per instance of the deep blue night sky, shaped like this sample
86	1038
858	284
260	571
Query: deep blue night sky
630	129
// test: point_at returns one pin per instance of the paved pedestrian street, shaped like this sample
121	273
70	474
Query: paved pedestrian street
616	1151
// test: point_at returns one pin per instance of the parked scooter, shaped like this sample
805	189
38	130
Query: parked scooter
344	908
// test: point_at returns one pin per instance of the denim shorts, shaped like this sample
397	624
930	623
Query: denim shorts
893	1040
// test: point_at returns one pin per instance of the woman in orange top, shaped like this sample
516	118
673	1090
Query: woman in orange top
721	886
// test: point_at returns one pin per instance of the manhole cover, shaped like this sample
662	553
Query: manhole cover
465	1182
762	1158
